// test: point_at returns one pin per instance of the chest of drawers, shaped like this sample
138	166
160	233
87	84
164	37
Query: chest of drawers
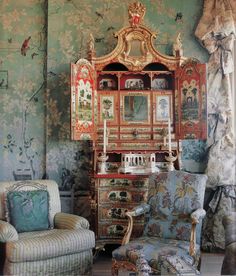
116	194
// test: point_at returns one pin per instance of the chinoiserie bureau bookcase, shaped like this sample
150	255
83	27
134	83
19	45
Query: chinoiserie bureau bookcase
135	105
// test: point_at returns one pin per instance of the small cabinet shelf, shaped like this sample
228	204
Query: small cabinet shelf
135	81
107	81
162	81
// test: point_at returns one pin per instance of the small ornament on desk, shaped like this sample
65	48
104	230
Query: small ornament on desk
138	163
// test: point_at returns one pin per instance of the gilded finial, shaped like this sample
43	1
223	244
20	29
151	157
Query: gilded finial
136	13
91	48
178	46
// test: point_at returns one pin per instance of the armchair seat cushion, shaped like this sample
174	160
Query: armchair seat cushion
152	249
42	245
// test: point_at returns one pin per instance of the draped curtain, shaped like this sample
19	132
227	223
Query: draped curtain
216	32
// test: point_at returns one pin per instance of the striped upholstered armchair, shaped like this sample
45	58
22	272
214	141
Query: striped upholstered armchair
37	238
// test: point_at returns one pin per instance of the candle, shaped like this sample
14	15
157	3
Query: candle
107	135
104	136
169	135
164	141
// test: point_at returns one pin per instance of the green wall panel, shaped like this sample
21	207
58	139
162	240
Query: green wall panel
35	106
22	105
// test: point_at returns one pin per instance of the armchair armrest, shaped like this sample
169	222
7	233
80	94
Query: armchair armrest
7	232
69	221
136	211
196	216
139	210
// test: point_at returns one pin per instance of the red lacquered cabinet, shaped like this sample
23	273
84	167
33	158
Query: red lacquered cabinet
132	92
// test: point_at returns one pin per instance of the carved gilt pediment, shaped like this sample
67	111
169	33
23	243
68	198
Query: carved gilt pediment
135	47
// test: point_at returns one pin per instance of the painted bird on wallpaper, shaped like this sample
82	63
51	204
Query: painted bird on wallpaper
25	46
33	55
1	82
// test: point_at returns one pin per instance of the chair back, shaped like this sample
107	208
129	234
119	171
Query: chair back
28	185
173	196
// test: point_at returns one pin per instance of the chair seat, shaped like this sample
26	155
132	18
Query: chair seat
152	248
42	245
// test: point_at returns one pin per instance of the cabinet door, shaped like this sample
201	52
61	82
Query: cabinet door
190	96
82	100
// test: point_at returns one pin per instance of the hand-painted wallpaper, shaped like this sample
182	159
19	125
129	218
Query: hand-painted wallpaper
23	76
38	41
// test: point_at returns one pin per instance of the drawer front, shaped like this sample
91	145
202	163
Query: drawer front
116	230
112	212
123	182
139	146
132	129
121	196
115	212
111	137
131	137
111	145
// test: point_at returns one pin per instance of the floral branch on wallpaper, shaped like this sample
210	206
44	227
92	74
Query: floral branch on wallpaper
28	141
24	149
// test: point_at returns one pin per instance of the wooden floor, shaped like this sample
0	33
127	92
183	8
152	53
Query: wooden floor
210	266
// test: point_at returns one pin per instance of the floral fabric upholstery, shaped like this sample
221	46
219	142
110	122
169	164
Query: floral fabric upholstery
153	248
173	197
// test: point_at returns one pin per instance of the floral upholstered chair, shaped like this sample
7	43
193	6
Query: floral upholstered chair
173	217
37	238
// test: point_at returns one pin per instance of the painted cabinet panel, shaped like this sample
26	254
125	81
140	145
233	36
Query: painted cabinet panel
191	111
82	100
115	231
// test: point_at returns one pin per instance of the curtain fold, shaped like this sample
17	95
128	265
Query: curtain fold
223	201
216	32
219	17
